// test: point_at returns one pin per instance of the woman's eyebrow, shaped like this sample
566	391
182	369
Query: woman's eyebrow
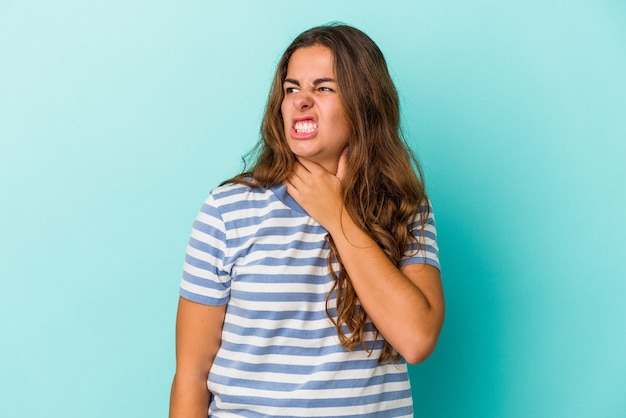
323	80
316	82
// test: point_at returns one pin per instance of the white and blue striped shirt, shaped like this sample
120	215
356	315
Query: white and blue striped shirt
259	252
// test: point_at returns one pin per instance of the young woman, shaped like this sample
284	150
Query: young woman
313	278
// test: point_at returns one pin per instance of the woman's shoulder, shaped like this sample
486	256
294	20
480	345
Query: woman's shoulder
237	193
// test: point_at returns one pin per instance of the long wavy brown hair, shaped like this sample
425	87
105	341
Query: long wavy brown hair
383	187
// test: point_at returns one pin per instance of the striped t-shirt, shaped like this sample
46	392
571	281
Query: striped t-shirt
259	252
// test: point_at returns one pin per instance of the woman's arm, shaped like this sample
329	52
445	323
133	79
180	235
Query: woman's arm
198	337
406	305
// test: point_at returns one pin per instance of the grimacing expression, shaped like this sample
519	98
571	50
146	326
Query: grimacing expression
315	123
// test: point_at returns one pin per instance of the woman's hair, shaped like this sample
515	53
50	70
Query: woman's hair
382	187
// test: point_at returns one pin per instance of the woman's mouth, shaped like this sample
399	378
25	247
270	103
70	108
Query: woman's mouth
305	126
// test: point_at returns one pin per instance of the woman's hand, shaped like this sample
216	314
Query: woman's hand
318	191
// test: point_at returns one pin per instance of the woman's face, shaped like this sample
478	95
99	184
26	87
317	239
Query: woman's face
316	126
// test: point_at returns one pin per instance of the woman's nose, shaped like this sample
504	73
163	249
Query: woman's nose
303	101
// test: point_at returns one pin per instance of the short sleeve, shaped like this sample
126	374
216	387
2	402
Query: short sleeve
425	250
204	277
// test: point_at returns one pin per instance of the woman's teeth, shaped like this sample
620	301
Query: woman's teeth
305	127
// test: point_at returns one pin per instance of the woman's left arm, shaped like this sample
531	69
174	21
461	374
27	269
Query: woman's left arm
406	305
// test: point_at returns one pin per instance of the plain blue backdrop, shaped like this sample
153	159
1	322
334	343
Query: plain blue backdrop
118	117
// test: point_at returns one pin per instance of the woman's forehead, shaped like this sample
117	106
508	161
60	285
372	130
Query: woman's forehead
311	63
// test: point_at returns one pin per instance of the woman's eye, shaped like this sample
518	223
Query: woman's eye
289	90
325	89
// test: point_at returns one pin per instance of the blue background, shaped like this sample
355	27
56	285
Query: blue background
118	117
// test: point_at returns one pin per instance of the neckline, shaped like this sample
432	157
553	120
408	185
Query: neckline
280	190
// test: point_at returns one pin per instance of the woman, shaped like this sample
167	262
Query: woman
313	278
